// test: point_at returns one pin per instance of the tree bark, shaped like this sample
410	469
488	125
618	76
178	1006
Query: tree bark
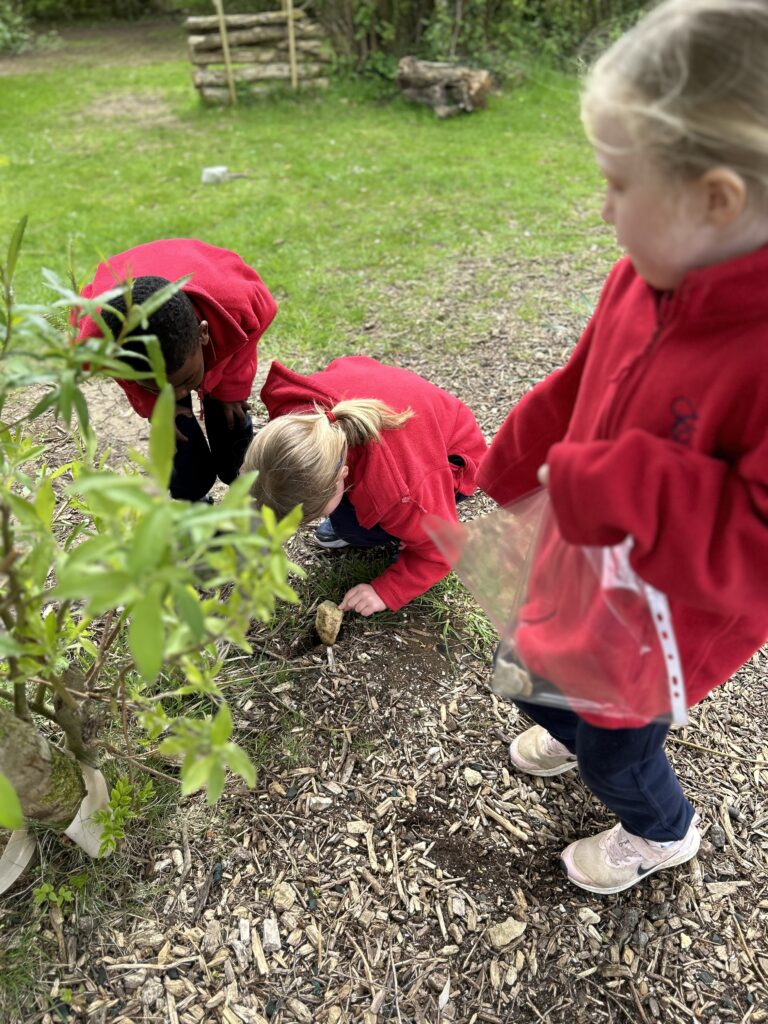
49	783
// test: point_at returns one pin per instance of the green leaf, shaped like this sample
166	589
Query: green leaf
241	764
221	727
103	590
162	436
150	540
216	781
195	773
146	636
10	808
45	500
66	397
9	647
188	607
14	247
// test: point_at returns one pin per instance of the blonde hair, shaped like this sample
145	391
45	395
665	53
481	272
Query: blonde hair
690	84
299	456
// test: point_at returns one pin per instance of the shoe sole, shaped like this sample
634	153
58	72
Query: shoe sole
681	858
541	773
331	544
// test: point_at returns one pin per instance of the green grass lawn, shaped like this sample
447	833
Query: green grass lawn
351	197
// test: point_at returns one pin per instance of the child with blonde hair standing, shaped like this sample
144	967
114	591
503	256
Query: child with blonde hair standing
657	426
374	449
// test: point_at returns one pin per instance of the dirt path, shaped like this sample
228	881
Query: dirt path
143	42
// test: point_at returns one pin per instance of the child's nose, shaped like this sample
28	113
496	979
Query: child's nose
606	211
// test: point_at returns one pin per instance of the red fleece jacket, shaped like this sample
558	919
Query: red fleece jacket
226	292
657	427
395	483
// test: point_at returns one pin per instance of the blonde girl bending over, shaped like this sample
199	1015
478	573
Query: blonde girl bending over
656	429
370	450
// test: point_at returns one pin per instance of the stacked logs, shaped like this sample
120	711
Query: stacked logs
259	52
448	88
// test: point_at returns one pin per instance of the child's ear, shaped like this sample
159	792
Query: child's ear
203	334
344	472
725	196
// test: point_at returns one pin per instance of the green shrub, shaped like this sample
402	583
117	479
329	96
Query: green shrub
15	34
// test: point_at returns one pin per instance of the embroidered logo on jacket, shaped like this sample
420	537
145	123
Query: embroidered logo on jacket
684	419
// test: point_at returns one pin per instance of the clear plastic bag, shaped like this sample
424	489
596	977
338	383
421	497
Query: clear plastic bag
578	627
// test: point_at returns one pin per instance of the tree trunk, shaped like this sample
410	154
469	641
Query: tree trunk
49	784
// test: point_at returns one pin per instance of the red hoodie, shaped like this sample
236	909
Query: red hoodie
657	427
224	291
395	483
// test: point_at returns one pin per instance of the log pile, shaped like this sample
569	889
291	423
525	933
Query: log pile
259	52
448	88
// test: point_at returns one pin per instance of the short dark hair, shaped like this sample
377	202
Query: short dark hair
174	324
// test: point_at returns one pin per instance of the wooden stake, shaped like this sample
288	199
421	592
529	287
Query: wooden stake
225	47
288	4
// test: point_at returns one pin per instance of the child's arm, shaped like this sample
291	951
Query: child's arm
420	565
418	568
700	524
539	419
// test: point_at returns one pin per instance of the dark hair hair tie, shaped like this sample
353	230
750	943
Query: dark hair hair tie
330	416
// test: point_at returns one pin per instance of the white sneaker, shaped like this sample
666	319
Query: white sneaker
615	860
535	752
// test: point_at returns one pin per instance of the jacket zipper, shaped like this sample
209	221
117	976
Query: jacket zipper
623	389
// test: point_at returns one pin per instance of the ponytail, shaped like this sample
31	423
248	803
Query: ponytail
299	456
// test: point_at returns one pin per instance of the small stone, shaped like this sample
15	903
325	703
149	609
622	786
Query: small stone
472	778
319	803
135	979
500	935
717	836
328	622
270	936
283	896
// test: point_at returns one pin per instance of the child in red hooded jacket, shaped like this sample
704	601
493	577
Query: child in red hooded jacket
208	333
656	429
374	448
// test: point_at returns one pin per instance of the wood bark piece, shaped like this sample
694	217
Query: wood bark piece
449	89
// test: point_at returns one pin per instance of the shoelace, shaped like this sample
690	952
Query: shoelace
554	748
618	848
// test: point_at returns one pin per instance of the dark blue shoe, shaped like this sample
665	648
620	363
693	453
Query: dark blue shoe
326	537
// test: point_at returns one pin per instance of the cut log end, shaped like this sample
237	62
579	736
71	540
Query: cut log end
448	88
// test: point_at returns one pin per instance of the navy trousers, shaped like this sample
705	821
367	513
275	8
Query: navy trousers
200	460
625	768
345	524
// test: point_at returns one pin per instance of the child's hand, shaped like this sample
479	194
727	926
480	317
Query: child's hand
182	410
234	411
543	475
362	599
